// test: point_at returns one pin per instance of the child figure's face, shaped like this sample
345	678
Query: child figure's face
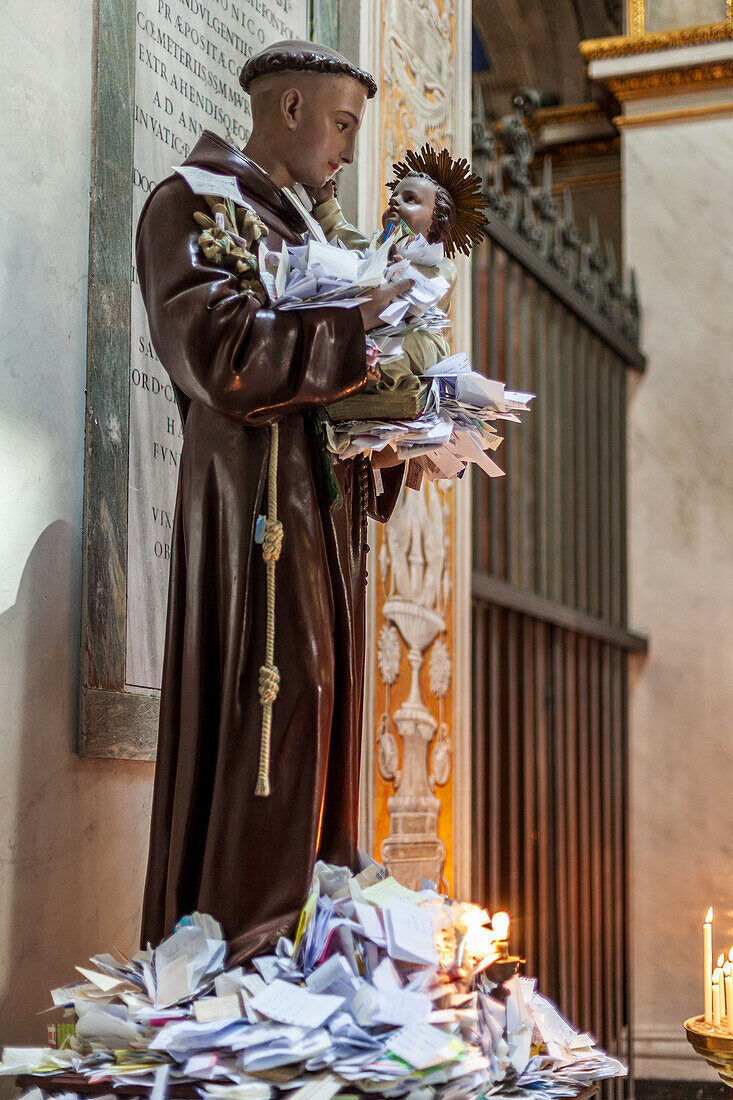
412	201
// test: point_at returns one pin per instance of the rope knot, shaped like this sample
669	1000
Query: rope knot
273	540
269	683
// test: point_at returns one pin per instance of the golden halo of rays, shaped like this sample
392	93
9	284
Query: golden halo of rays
463	186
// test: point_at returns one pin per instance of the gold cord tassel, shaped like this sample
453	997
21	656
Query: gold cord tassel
269	674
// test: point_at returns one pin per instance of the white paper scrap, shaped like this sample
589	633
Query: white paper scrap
410	934
203	182
227	1007
423	1045
291	1004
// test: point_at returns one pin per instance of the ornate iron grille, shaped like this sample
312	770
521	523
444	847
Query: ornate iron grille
551	637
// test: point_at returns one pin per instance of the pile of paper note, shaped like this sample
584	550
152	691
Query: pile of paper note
456	427
314	275
382	990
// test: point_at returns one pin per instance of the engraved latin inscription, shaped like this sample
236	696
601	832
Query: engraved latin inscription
188	54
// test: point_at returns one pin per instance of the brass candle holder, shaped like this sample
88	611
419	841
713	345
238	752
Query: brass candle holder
502	969
714	1045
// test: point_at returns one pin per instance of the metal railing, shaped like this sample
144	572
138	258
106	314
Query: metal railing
551	637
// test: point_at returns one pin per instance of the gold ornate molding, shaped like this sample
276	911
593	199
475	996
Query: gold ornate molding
670	81
598	49
565	115
636	17
685	114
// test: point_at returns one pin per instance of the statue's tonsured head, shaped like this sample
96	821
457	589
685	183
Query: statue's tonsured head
293	56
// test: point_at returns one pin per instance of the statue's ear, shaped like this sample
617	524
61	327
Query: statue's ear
291	102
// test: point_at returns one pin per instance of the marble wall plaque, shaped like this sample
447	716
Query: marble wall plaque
665	15
188	54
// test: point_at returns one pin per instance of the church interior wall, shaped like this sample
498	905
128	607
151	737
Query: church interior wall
675	180
73	832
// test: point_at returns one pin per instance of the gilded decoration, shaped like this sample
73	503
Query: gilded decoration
670	81
417	101
598	49
413	781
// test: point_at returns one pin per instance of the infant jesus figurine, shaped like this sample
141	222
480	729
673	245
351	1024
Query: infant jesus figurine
439	200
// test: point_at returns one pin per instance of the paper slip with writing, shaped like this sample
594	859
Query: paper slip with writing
299	1047
423	1045
385	977
334	976
363	1004
454	364
336	262
387	888
245	1090
467	447
291	1004
400	1007
322	1087
368	916
203	182
474	389
410	933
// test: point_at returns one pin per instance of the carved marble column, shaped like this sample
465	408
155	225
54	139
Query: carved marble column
416	790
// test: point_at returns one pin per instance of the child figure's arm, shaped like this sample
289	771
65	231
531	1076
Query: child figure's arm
333	223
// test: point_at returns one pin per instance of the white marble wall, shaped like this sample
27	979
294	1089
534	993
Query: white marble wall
678	179
660	15
73	833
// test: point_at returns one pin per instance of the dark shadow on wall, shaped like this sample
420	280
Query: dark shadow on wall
71	867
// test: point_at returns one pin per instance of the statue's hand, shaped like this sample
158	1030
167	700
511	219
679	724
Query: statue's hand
378	299
322	194
374	372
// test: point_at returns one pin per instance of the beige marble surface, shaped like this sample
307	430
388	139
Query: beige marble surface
73	833
661	15
678	57
677	182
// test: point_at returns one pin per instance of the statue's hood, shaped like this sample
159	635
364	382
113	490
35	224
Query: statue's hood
217	155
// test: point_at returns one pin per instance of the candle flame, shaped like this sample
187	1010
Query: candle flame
728	970
716	976
500	925
709	916
721	960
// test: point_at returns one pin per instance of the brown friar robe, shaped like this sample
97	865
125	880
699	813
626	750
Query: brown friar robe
237	368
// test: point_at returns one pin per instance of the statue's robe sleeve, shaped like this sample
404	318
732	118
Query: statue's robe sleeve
214	845
220	347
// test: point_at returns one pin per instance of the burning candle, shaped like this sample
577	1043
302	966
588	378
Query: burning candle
728	971
716	997
500	928
707	951
721	982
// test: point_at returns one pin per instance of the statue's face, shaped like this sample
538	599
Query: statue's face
412	201
323	125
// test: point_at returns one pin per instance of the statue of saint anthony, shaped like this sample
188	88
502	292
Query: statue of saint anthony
237	368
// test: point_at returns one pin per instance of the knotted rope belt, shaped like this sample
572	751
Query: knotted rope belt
269	683
269	673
